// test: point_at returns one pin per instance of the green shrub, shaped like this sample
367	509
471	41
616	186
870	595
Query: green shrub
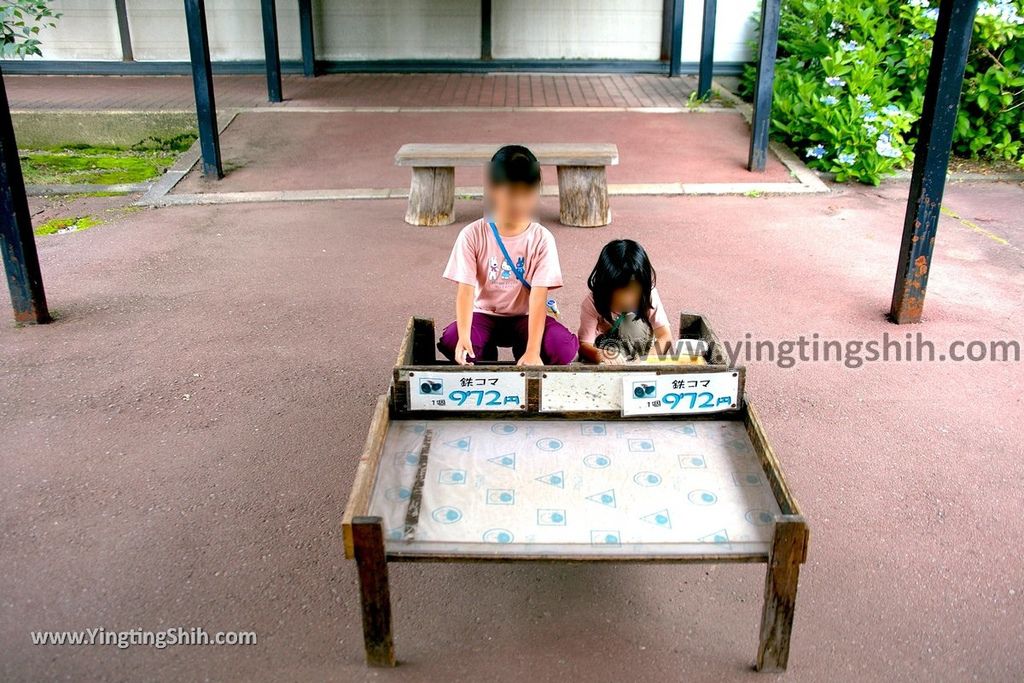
850	78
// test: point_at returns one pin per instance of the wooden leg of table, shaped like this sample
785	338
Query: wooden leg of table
431	196
789	548
368	539
583	196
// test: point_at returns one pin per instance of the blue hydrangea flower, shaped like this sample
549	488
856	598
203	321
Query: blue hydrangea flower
888	123
863	99
829	100
1004	10
890	110
932	13
835	82
847	158
885	148
869	129
816	152
920	4
849	45
870	115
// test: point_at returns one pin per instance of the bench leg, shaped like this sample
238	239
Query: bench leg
583	196
789	547
431	196
368	540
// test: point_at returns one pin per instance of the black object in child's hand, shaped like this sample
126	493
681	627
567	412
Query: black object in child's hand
630	337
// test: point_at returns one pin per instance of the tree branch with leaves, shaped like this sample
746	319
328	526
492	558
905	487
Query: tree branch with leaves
21	21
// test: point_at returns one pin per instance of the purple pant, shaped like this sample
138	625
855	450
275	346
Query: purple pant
488	332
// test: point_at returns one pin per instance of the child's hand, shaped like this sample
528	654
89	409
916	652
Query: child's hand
611	356
530	358
463	351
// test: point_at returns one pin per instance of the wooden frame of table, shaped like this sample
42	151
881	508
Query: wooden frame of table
364	534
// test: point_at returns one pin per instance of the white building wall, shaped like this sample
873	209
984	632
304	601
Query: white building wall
234	26
733	30
87	31
577	29
399	29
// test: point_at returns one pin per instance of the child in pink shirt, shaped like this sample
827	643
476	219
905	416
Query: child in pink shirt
502	293
622	293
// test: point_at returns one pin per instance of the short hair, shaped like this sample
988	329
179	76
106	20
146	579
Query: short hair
514	164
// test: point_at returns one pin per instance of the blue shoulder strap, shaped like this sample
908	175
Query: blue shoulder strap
504	252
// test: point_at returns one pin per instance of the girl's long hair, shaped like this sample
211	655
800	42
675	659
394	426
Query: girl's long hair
620	262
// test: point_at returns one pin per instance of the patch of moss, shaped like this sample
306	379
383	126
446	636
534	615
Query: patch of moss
60	226
175	143
104	193
92	167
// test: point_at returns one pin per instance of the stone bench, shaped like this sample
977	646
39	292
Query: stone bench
582	185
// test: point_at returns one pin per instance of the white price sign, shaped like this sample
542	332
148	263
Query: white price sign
476	391
680	394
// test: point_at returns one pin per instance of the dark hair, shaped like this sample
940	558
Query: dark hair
514	164
621	262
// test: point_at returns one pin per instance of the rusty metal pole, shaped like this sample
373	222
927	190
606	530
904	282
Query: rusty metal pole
931	157
17	241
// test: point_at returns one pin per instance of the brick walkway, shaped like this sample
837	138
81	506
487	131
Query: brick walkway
169	93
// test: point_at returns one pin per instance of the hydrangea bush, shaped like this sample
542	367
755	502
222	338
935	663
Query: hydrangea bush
850	78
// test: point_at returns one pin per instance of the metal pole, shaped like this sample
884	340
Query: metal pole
306	34
17	242
707	48
952	42
485	29
761	119
123	31
270	49
675	59
202	80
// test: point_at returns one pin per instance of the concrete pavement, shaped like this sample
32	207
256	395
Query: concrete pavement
178	447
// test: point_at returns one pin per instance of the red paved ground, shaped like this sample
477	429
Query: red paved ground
345	90
178	448
302	151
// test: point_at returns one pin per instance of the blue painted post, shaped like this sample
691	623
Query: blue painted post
707	48
17	242
306	35
485	29
675	55
271	50
761	119
202	81
952	42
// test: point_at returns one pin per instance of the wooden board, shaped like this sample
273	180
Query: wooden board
366	474
471	154
769	462
583	391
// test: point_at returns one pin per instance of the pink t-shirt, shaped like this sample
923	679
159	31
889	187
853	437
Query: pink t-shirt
592	324
477	260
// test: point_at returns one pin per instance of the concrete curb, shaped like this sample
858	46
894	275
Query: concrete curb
617	190
179	170
463	110
807	182
85	188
